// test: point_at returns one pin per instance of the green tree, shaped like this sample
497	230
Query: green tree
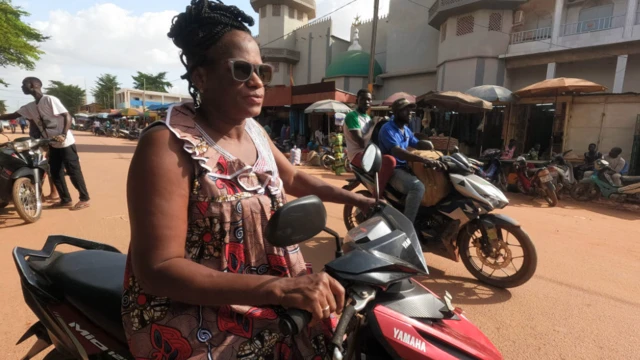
3	107
104	90
18	40
71	96
158	82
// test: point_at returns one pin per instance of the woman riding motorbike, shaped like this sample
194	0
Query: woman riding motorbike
201	281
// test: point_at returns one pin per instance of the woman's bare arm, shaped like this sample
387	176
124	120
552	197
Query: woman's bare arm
298	183
157	195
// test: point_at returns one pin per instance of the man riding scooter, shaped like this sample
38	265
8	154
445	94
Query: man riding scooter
394	139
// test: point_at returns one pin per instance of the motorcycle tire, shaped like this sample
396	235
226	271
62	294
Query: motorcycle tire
27	214
551	197
585	192
349	215
347	164
529	265
520	187
326	161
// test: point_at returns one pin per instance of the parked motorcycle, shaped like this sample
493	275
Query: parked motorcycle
537	181
76	296
562	173
491	169
462	222
600	183
23	168
328	158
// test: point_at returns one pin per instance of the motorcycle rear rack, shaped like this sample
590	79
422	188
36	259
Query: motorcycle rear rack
20	257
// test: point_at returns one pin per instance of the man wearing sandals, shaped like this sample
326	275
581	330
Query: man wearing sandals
54	121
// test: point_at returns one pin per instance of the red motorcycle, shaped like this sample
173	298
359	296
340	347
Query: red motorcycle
535	181
76	296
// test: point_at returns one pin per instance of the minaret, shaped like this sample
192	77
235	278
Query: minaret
277	20
355	45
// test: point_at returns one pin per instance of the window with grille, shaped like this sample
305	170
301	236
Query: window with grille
276	10
292	13
443	32
495	22
300	14
263	12
464	25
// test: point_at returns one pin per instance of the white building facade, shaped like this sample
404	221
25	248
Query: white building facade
427	45
137	99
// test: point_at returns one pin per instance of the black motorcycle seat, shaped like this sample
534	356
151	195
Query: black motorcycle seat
630	179
91	280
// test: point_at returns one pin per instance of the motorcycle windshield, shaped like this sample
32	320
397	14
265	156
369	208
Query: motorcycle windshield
384	249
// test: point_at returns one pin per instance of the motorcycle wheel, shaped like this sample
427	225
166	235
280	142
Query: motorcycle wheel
24	198
346	164
521	188
502	182
585	192
551	197
352	215
327	162
470	236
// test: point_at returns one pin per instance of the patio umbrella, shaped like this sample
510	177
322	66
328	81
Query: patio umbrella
557	86
454	101
327	106
129	112
399	95
492	93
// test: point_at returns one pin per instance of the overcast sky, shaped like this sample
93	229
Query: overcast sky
120	37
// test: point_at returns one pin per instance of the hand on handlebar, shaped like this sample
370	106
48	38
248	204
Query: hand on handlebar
435	164
319	294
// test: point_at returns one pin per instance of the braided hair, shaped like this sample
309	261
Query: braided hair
200	26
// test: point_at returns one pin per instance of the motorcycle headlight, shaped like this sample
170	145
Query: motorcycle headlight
372	229
496	201
21	146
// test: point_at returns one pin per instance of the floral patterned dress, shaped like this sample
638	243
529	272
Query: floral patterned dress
229	206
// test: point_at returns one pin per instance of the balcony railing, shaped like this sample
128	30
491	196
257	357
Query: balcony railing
600	24
531	35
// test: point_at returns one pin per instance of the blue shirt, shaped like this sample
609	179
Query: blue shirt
391	136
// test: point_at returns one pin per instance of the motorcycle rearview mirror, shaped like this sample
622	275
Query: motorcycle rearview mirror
371	163
297	221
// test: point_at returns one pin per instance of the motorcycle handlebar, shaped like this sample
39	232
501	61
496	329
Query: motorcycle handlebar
293	321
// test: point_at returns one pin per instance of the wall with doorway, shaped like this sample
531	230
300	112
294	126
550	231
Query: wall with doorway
607	120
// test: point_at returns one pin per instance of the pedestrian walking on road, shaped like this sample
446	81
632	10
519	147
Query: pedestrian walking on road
54	122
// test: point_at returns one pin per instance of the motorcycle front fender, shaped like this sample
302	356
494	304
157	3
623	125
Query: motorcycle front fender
500	220
27	172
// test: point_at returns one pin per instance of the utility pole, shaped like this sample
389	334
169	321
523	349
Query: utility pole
114	97
144	98
372	59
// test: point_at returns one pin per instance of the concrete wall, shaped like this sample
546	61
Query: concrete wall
416	85
632	75
411	42
481	42
600	71
572	13
605	120
459	75
313	42
365	29
522	77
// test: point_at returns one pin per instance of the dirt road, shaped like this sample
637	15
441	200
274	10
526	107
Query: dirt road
583	302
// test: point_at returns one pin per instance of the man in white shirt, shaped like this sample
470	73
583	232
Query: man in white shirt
54	121
616	163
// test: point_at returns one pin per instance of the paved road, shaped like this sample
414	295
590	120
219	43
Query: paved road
583	302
